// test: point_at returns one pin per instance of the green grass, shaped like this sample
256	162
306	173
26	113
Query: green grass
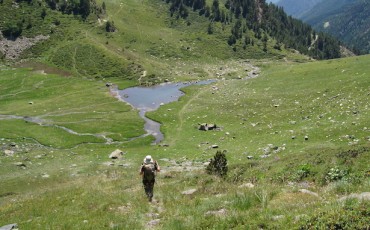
61	104
68	182
147	41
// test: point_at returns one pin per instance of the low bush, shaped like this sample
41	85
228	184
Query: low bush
218	164
350	215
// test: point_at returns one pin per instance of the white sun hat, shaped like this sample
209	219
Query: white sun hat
148	159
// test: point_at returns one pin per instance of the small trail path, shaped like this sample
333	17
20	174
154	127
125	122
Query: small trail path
181	115
153	216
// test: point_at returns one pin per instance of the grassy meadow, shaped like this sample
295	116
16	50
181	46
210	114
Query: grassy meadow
295	126
296	136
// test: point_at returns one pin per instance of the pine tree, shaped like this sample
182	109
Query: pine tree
218	165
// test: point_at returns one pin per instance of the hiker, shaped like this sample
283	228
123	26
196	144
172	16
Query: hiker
148	171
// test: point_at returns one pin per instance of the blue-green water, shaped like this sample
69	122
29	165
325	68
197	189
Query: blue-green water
151	98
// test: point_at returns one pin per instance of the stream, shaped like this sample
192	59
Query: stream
151	98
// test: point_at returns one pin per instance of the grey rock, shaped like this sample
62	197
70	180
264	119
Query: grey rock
153	223
189	192
9	152
308	192
247	185
221	212
20	164
277	217
359	196
116	154
9	227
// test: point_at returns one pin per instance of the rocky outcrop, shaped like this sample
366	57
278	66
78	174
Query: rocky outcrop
116	154
12	49
359	196
9	227
206	127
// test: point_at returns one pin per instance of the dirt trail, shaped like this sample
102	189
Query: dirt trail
181	116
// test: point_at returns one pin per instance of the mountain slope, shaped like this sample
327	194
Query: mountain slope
130	38
346	20
296	135
296	8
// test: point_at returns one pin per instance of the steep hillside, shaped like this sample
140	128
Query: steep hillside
295	131
144	40
298	7
346	20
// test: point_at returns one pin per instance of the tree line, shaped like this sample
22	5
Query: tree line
264	21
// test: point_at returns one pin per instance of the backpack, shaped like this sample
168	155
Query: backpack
149	171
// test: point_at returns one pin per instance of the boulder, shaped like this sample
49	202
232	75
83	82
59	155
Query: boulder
116	154
308	192
221	212
189	192
359	196
247	185
20	164
9	152
9	227
206	127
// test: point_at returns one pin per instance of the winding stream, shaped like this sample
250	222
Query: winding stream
42	122
151	98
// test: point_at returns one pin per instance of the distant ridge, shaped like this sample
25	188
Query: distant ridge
347	20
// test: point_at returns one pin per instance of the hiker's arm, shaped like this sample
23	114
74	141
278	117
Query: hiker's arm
158	168
141	170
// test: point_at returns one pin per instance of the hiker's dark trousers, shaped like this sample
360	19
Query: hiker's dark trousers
148	187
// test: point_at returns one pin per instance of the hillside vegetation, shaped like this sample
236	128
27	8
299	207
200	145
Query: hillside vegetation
295	131
278	177
297	8
345	19
130	38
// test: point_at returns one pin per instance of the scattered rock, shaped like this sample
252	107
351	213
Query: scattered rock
153	223
45	175
359	196
8	152
214	146
308	192
206	127
247	185
116	154
221	212
20	164
249	157
9	227
14	48
275	218
153	215
109	163
189	192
